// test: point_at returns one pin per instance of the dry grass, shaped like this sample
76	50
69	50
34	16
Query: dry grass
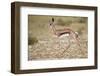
51	47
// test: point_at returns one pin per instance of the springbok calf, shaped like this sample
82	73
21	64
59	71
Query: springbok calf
69	32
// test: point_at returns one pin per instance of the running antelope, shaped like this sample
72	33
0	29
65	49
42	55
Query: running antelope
66	31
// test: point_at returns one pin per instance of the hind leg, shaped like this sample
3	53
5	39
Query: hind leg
77	40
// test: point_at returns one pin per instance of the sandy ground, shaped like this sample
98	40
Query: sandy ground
57	48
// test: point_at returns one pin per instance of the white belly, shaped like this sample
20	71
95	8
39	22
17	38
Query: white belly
64	35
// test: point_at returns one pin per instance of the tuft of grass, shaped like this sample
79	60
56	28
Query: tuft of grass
32	40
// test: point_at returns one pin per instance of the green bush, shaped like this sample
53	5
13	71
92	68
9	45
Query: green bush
32	40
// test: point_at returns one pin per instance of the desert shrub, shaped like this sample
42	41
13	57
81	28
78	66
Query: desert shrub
32	40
